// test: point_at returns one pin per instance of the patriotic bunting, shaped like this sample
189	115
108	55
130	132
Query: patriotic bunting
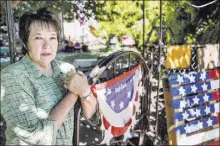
195	100
119	102
197	112
195	107
195	88
193	77
197	125
199	138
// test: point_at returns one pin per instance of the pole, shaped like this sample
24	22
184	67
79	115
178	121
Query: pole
143	28
11	31
159	67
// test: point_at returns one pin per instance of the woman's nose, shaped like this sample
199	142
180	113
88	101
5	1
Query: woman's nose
46	44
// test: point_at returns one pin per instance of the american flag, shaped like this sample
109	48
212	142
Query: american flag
195	102
80	11
118	103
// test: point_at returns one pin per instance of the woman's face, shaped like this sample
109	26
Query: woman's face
42	44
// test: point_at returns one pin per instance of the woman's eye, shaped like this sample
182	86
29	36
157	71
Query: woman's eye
38	38
53	38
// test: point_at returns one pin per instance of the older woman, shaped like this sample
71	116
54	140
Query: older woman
36	99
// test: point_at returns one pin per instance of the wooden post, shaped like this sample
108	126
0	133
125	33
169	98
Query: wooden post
11	31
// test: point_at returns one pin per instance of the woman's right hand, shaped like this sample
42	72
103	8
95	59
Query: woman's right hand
77	83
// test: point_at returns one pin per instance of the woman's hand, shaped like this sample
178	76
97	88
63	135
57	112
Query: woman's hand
77	83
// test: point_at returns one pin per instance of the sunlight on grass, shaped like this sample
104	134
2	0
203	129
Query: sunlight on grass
70	59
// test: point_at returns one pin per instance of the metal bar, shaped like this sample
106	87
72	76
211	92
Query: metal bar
11	31
159	67
143	28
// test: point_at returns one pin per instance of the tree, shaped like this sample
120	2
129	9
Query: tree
188	24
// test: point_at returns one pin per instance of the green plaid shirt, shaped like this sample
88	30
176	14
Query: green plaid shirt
27	97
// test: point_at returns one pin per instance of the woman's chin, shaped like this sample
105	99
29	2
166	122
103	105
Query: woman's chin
46	62
48	58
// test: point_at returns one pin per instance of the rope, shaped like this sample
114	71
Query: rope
201	5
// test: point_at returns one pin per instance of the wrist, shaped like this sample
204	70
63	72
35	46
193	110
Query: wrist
85	95
72	95
86	92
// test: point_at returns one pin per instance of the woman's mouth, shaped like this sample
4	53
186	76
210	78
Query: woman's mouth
46	54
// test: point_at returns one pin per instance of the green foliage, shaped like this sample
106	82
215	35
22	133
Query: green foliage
68	8
189	25
121	17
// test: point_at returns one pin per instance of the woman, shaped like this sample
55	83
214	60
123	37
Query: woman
37	99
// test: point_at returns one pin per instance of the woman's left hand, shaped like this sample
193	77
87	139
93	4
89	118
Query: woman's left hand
77	83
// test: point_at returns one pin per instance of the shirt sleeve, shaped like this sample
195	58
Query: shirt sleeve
94	121
27	122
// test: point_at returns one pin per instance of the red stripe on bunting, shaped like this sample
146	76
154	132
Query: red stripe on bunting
218	118
214	74
106	123
216	143
134	109
118	131
136	97
117	79
92	88
216	95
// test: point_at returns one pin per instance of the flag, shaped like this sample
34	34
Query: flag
195	88
80	12
118	101
178	78
208	57
191	101
196	107
197	125
178	57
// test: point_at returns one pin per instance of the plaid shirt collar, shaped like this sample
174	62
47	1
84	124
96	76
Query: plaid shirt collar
33	71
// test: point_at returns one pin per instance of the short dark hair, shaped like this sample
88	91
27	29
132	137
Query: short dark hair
43	16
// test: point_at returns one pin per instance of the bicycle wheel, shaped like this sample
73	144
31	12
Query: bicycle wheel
121	128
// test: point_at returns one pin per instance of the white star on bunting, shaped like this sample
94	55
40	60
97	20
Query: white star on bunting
200	125
209	122
113	104
179	79
195	100
182	91
121	105
192	78
185	115
205	87
193	88
129	94
207	110
187	128
203	76
197	112
206	98
108	92
183	103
